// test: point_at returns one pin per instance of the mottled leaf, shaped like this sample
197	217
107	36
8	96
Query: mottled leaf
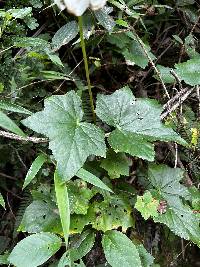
105	19
147	205
64	35
41	216
79	196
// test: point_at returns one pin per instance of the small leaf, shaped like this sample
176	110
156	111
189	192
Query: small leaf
13	107
20	13
34	169
79	196
8	124
34	250
82	246
189	71
111	213
2	202
105	19
71	140
62	200
116	164
65	34
4	259
165	74
147	205
55	59
119	250
92	179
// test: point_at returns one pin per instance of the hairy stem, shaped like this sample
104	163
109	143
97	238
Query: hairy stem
80	22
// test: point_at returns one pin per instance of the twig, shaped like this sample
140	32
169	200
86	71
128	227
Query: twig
152	64
175	102
21	138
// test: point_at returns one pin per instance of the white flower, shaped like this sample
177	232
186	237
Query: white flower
78	7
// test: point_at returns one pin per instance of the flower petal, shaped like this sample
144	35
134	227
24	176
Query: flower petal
60	4
97	4
76	7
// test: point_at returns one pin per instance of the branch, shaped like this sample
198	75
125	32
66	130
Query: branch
21	138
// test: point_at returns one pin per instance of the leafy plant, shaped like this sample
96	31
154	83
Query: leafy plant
106	172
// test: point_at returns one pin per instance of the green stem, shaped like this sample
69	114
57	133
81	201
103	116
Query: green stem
80	22
62	200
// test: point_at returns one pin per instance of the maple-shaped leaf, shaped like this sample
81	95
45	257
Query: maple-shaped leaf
178	217
181	220
71	140
166	181
137	123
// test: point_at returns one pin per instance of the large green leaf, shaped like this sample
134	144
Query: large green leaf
116	164
34	169
178	217
120	250
137	121
181	220
71	140
34	250
8	124
166	180
189	71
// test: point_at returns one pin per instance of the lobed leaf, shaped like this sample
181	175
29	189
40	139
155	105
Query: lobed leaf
137	123
71	140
